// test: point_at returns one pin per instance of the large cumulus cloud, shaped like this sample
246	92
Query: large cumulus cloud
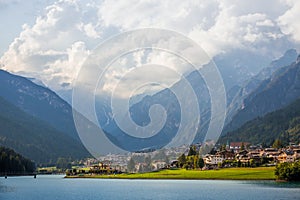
54	46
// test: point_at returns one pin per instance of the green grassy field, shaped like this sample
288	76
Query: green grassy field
261	173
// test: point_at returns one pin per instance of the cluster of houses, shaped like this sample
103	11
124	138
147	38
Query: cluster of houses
243	153
99	168
234	155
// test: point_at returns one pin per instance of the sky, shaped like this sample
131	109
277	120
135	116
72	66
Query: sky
50	40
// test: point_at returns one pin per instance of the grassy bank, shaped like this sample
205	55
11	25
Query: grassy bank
261	173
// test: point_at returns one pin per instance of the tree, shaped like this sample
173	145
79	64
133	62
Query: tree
242	146
182	160
277	144
288	171
239	163
131	165
11	162
200	163
195	164
192	151
63	163
223	147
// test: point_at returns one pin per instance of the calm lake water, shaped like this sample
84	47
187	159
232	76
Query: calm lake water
52	187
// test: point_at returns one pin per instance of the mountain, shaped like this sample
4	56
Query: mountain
234	69
282	88
139	112
34	138
237	66
38	101
283	124
237	99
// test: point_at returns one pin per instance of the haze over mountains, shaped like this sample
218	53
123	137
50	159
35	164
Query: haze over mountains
274	87
37	101
37	123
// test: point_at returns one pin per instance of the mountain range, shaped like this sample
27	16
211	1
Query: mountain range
283	124
274	87
38	123
34	138
38	101
273	93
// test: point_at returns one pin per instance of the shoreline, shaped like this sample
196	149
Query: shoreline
243	174
213	179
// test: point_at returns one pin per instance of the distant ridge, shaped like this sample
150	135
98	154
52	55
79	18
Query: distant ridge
38	101
34	138
276	92
283	124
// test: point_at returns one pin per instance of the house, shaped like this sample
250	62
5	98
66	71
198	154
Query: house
213	159
270	153
236	146
286	156
157	165
226	154
254	154
297	154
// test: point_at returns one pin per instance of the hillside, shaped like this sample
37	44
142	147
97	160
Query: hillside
14	163
236	103
281	89
34	138
139	111
283	124
38	101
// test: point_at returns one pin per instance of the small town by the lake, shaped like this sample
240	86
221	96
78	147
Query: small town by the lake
149	99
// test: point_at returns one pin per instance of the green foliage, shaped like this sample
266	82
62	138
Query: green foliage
243	147
63	163
11	162
34	138
201	163
192	151
182	160
288	171
190	162
283	125
277	144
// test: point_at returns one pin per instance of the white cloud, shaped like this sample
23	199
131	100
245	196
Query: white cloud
52	49
61	37
289	21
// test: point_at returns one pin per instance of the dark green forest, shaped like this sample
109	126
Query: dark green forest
283	124
34	138
13	163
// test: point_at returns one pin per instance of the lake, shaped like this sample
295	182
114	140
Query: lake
50	187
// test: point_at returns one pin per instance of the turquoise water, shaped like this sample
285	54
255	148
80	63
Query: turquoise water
50	187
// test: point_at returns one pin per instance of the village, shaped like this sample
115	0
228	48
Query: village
234	154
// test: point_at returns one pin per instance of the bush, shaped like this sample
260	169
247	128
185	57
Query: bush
288	171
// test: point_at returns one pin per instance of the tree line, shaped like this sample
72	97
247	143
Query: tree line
14	163
192	160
